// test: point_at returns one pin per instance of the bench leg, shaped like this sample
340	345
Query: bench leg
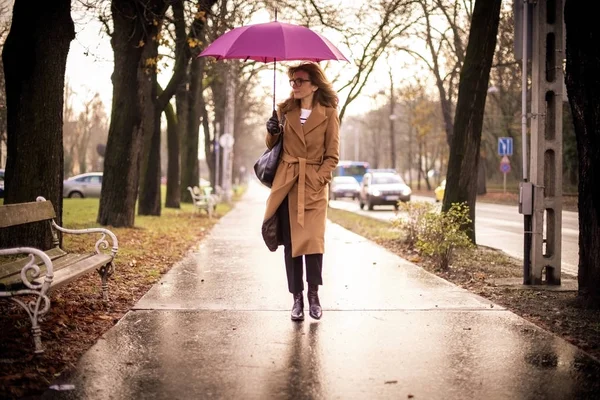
34	310
105	272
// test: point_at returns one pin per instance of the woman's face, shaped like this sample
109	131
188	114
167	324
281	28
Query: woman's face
301	85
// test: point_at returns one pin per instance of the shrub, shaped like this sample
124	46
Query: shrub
440	234
412	223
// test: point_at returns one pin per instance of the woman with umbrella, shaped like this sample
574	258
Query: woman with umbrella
310	132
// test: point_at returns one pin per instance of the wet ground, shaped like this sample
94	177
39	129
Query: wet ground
217	326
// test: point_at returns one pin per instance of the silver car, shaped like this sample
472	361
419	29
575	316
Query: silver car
343	186
382	188
84	185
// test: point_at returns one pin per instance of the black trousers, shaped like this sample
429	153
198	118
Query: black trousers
294	265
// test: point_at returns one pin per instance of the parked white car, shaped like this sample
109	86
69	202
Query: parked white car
84	185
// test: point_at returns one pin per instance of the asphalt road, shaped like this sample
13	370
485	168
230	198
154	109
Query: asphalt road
497	226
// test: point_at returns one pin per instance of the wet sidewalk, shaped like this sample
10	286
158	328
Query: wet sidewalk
217	326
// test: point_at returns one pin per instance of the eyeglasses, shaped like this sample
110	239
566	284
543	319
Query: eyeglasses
298	82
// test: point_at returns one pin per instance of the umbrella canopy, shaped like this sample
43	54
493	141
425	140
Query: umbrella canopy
273	41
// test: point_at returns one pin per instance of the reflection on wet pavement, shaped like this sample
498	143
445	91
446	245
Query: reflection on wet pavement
218	326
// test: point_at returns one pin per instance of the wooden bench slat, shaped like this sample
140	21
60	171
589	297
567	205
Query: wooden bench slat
10	273
24	213
71	272
68	259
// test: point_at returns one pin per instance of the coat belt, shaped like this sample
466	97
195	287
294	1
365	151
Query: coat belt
302	162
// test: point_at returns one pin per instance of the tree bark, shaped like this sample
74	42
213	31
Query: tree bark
392	118
149	197
190	140
150	190
181	104
173	199
192	101
583	86
464	153
35	80
133	28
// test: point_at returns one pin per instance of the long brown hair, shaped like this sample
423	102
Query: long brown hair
325	95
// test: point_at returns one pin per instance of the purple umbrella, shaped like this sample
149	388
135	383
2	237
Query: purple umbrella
272	42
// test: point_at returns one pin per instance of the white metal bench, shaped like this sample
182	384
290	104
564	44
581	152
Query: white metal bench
40	272
203	200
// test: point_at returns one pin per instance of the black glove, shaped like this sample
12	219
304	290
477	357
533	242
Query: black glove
273	126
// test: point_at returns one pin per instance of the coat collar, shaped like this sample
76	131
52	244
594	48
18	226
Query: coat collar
293	119
316	117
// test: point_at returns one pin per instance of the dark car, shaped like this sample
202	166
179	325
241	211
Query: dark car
383	188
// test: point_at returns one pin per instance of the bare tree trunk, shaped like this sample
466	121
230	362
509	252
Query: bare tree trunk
218	88
149	197
189	142
133	27
410	155
583	64
208	142
35	81
420	175
173	195
464	152
392	118
190	174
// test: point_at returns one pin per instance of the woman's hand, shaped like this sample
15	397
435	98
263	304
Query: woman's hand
273	126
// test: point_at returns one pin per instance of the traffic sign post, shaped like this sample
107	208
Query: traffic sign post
505	169
505	146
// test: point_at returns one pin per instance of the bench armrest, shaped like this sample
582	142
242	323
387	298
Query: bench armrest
102	243
32	266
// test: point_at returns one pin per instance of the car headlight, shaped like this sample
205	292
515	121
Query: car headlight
376	193
406	192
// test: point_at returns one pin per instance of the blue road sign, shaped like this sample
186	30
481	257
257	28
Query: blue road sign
504	168
505	146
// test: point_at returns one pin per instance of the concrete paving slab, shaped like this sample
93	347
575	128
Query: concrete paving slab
232	269
350	355
217	326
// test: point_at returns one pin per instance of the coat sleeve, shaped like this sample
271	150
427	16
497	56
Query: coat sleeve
332	148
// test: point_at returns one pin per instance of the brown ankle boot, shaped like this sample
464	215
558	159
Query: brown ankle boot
314	306
298	307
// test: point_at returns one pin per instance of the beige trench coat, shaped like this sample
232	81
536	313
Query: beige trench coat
310	154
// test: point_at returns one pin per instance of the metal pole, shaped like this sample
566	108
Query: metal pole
526	218
524	93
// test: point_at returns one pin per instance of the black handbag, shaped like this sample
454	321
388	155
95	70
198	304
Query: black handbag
266	165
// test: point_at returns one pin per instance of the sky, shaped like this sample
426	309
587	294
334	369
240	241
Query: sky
90	62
